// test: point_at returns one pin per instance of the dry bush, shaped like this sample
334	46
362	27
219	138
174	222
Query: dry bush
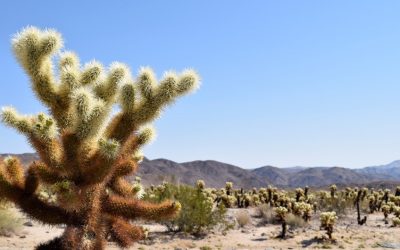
295	221
341	206
9	223
243	218
267	214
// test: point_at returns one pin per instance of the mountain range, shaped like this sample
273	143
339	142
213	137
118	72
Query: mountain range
215	174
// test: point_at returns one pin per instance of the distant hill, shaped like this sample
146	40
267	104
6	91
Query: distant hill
278	176
325	176
316	176
390	171
215	174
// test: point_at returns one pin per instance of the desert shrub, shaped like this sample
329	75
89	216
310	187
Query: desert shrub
205	248
396	221
267	214
339	205
243	218
9	223
198	215
294	221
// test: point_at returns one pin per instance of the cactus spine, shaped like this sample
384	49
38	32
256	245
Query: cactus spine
78	150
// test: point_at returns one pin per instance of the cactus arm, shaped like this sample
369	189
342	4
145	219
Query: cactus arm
124	233
122	187
50	152
124	167
40	131
33	49
97	169
108	88
45	174
46	213
154	99
33	206
135	209
13	171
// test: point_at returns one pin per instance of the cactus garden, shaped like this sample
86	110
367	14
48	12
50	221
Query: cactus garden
271	217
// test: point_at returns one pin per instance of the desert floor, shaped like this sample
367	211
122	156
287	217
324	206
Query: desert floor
349	235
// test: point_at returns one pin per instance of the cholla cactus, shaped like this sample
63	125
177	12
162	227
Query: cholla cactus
397	193
386	195
360	195
386	211
200	184
372	202
315	206
396	221
306	189
333	189
281	216
364	193
228	187
78	149
299	194
303	210
328	220
255	200
396	211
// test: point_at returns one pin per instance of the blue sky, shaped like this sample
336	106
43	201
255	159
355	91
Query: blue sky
284	83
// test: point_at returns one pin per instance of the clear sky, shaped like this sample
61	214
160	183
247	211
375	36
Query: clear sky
284	83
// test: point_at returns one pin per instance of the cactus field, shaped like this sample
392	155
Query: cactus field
276	219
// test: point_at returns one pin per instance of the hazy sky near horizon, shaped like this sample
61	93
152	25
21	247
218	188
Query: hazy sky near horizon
284	83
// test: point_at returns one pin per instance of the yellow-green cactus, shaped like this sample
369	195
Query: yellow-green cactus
228	187
333	189
80	151
281	213
328	220
200	184
396	221
386	211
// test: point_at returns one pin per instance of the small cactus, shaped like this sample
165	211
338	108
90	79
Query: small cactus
281	216
396	221
303	210
397	193
396	211
386	211
200	184
333	189
328	220
228	187
299	194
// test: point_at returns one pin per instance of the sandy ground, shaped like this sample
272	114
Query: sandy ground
348	235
